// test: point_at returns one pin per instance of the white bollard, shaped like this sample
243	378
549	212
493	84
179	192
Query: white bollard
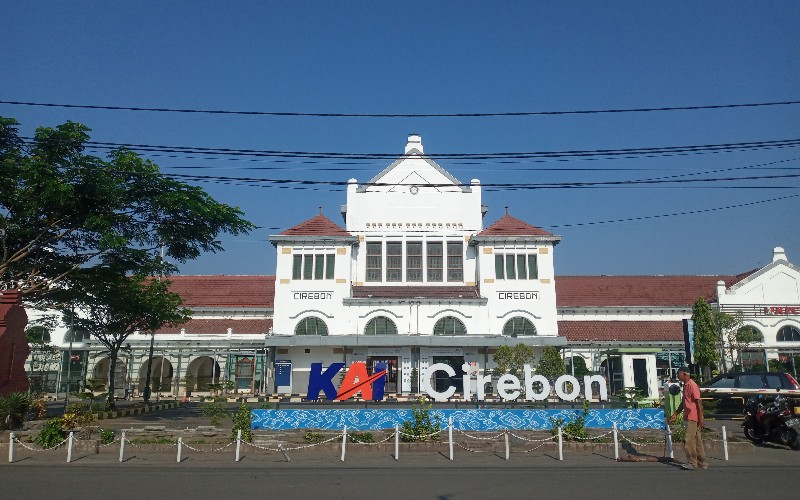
616	443
11	448
344	441
506	436
238	443
450	434
560	445
725	442
397	442
69	446
122	447
180	445
669	442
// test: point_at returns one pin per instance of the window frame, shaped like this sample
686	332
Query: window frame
514	333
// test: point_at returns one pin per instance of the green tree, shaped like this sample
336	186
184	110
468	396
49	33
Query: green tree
111	306
705	336
551	365
580	366
84	230
62	210
512	359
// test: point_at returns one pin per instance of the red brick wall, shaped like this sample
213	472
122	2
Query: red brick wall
14	348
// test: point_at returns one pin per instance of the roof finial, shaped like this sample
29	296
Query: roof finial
506	210
320	210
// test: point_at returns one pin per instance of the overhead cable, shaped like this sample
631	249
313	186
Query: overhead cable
405	115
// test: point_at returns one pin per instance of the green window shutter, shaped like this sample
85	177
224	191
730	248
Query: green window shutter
319	264
330	260
499	269
511	273
533	270
297	265
522	272
308	267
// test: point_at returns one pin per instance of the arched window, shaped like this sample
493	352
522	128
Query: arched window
518	327
789	333
449	326
749	333
380	326
311	326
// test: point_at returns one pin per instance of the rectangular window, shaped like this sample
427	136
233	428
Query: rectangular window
455	262
515	266
319	266
511	271
329	263
522	270
533	269
435	262
414	261
297	266
374	261
394	261
499	267
313	266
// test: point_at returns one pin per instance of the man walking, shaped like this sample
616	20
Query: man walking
692	407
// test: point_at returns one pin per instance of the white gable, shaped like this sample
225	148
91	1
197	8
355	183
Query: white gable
414	195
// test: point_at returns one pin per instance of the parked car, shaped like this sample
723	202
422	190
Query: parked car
725	395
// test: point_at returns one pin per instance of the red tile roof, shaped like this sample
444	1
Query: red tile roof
511	226
316	226
225	291
220	326
409	292
584	291
624	331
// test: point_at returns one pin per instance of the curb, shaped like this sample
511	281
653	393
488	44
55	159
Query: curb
106	415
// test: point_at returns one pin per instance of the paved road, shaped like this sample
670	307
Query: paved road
378	475
153	472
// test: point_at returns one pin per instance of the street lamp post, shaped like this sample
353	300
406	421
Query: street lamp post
69	359
149	368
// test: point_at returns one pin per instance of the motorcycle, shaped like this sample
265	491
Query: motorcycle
772	419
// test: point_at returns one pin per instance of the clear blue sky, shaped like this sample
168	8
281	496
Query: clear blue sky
446	57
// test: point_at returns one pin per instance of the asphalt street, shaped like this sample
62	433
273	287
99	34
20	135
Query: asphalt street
150	471
426	475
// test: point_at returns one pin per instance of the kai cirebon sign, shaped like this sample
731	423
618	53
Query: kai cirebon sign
509	387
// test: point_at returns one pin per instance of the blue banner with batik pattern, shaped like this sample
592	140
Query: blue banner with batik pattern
472	420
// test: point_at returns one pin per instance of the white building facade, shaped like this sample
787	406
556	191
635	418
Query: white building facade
412	279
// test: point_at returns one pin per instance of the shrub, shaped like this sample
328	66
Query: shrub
575	429
51	434
314	437
423	426
241	421
360	437
107	436
14	407
215	412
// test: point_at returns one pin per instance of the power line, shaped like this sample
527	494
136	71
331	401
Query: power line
675	214
610	153
405	115
496	186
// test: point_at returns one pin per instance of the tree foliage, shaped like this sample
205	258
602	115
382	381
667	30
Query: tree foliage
111	306
512	359
62	210
551	365
580	367
81	231
705	336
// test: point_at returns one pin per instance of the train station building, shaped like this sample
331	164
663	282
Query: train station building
417	272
